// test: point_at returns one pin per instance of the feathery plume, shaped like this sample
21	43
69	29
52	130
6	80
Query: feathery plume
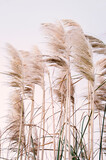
33	75
80	50
16	67
97	45
16	116
59	49
100	81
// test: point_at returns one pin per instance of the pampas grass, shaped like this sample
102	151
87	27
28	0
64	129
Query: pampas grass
97	45
58	128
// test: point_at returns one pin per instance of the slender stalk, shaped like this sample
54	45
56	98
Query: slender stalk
39	138
92	121
0	142
51	92
100	124
73	121
89	97
25	149
65	130
75	132
102	133
20	131
21	155
63	133
69	115
30	127
43	111
67	118
61	125
42	124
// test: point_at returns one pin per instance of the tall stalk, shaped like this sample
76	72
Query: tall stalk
30	125
69	115
92	122
42	126
51	93
20	133
100	151
89	110
61	125
100	130
82	61
0	142
65	127
43	117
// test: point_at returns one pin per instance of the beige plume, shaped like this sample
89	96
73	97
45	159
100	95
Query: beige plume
97	45
80	50
100	81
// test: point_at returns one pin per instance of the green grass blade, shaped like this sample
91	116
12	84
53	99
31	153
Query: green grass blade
62	150
59	144
33	148
58	148
102	135
85	128
100	85
82	135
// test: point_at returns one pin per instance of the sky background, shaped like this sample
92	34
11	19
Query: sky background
20	25
20	19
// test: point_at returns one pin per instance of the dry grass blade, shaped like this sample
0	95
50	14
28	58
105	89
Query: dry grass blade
100	93
97	45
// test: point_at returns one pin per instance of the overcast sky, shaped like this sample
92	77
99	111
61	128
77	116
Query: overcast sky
20	19
20	22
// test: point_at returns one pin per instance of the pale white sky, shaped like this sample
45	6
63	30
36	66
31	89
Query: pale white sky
20	19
